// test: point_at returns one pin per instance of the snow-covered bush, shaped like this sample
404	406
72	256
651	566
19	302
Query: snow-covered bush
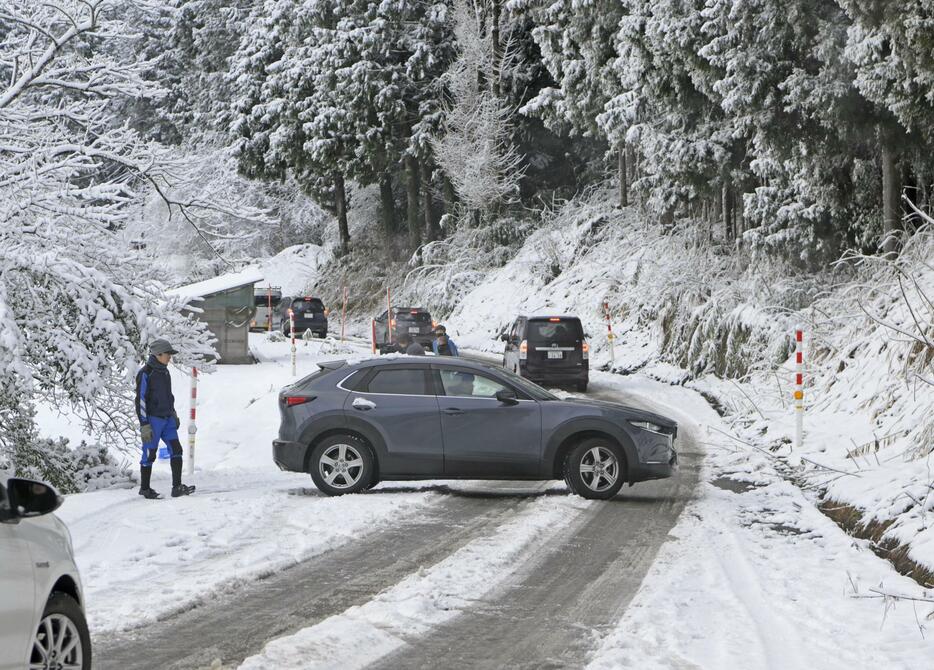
70	470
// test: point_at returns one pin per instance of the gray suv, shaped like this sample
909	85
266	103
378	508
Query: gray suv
352	425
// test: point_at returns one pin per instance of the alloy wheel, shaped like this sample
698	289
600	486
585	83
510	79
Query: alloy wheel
341	466
57	645
599	469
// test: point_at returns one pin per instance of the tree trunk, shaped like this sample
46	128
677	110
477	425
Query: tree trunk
891	191
412	201
387	205
496	84
727	209
432	230
340	206
450	196
623	185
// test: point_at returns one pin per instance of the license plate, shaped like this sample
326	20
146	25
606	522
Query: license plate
413	331
556	354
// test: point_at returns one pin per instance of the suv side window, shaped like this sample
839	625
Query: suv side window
399	381
469	384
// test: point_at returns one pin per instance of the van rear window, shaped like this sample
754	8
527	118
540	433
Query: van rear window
302	305
418	317
559	331
263	301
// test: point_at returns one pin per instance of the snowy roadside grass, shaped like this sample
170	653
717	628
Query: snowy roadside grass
754	576
363	634
761	579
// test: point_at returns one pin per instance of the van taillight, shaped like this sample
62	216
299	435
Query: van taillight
292	400
524	350
586	350
554	320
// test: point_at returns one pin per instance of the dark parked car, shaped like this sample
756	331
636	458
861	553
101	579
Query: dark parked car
414	321
310	314
549	350
351	426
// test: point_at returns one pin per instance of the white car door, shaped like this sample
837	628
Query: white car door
18	604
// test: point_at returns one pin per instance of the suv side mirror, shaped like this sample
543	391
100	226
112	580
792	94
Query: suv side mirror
507	397
504	337
29	498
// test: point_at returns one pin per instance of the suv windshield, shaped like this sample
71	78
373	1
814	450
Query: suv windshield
565	331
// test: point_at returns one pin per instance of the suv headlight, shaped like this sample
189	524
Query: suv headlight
649	426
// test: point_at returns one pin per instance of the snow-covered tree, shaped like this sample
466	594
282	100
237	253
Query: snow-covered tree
475	149
78	304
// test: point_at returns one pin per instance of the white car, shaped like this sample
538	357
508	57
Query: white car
42	623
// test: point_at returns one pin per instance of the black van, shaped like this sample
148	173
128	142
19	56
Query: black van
309	312
548	350
415	322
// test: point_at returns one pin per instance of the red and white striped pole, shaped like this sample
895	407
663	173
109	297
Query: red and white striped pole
193	421
799	387
292	333
610	337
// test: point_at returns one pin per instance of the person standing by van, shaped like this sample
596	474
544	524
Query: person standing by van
443	345
158	421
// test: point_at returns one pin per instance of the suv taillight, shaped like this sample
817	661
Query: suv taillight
292	400
524	350
586	350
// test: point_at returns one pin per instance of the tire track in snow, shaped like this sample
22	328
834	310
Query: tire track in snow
362	635
235	624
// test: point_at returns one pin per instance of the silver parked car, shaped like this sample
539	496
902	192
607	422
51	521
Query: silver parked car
42	622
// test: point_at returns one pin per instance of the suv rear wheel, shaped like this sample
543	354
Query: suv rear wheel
62	639
595	469
342	464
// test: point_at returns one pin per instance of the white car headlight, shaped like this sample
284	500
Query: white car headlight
647	425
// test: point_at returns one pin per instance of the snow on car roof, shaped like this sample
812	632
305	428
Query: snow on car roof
208	287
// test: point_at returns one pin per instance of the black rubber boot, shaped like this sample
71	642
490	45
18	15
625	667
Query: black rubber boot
176	464
145	474
179	489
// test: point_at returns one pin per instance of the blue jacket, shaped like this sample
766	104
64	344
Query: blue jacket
452	348
154	391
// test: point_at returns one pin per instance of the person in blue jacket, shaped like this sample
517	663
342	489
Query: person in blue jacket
155	408
442	344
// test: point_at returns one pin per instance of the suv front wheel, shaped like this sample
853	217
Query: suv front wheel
62	639
595	469
341	464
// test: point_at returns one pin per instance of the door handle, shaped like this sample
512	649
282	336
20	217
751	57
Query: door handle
363	404
452	411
